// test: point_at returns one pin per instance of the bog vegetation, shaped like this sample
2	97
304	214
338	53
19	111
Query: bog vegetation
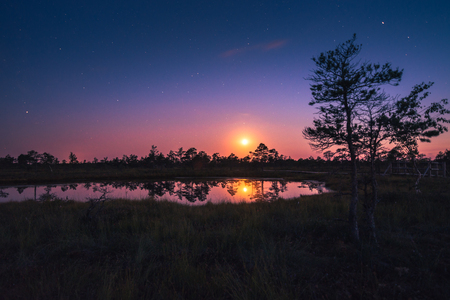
285	249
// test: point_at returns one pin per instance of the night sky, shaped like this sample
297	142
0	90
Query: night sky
108	78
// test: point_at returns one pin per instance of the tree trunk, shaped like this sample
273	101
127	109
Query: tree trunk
416	184
372	202
352	214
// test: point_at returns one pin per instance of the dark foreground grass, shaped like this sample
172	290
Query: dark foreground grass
296	249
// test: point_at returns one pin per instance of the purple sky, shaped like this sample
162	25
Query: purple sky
108	78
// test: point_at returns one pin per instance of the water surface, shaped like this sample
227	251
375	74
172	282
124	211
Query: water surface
186	191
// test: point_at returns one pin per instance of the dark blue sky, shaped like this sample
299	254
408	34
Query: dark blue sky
107	78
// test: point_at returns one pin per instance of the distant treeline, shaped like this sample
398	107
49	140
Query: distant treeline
191	158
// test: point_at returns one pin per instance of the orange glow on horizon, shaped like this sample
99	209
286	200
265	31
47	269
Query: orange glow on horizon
241	141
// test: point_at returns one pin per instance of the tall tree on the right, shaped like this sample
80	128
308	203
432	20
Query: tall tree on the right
356	116
341	85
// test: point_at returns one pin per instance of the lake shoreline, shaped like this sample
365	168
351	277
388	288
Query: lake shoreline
81	173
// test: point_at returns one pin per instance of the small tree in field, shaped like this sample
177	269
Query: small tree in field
73	158
412	122
341	86
402	121
263	155
441	156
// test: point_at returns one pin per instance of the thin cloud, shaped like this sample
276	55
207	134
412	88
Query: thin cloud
233	52
275	44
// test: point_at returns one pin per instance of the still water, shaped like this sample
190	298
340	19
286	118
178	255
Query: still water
185	191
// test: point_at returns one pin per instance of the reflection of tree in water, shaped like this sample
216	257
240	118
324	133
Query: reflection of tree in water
232	186
100	187
132	186
275	189
47	196
158	188
116	185
72	186
193	191
313	186
199	191
257	188
3	194
20	189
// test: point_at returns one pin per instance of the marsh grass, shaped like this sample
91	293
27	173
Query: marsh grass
285	249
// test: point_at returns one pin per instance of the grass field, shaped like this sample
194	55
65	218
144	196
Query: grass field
286	249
